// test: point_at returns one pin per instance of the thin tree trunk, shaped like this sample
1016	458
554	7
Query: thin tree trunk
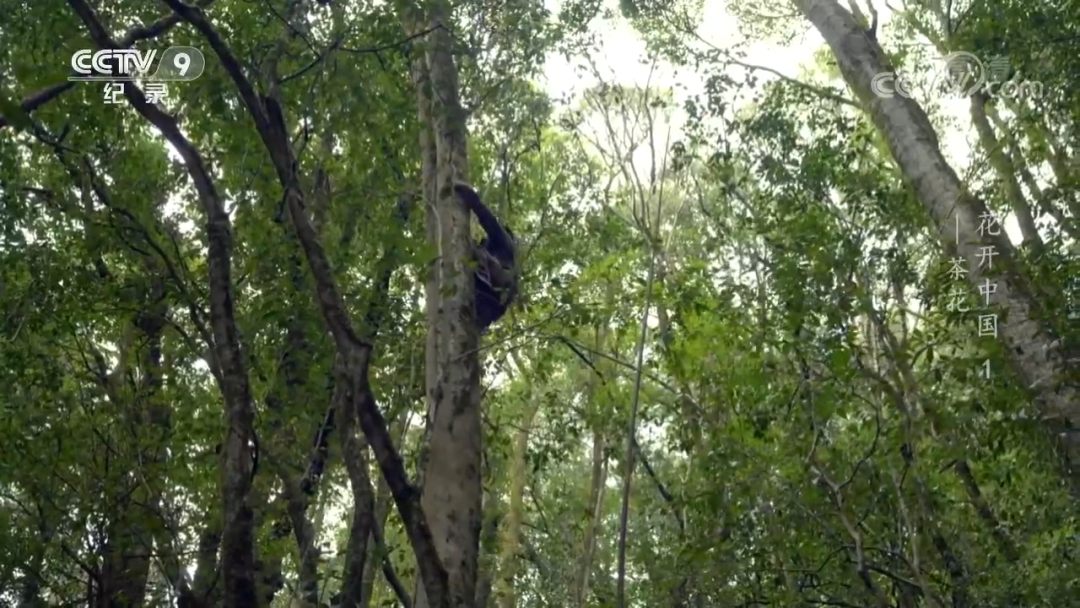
1018	157
630	454
1005	543
136	521
1006	172
266	112
914	533
511	538
236	454
599	474
1043	141
202	583
1045	205
382	511
596	505
353	453
489	537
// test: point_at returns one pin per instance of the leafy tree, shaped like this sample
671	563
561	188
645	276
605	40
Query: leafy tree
239	341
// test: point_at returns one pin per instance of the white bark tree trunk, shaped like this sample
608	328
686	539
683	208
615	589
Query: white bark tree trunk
1038	357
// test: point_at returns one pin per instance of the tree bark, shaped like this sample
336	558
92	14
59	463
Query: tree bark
1038	357
236	455
452	487
595	504
1006	172
382	510
511	542
353	451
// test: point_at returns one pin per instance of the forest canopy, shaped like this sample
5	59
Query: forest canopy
795	324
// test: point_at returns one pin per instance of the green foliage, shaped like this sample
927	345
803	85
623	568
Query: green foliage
804	367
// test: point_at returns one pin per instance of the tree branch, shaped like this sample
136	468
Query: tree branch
355	353
237	456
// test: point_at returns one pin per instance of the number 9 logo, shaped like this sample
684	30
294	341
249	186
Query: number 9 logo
180	63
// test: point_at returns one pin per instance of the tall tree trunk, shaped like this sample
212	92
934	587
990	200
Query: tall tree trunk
353	453
236	455
452	487
511	540
489	537
137	519
126	555
1038	357
382	511
267	115
598	481
202	582
592	526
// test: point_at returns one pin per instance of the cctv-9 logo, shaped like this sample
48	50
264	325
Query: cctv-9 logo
178	63
889	85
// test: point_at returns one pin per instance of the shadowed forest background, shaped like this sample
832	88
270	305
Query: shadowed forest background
239	360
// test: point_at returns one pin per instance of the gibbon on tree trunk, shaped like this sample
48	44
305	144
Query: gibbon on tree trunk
451	470
1038	357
